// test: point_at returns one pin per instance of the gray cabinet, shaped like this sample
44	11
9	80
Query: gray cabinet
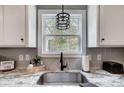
106	26
16	26
31	26
1	25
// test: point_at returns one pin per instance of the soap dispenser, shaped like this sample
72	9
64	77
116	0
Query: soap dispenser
30	66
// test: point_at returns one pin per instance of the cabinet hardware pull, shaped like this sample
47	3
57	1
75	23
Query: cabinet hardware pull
102	39
22	39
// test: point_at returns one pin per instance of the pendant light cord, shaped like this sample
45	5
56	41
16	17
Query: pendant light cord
62	8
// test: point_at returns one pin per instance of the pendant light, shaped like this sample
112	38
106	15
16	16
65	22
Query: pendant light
63	20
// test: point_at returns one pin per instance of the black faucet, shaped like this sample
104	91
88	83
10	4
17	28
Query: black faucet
61	61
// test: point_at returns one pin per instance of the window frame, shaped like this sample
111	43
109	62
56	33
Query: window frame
40	31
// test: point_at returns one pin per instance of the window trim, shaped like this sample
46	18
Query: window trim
40	32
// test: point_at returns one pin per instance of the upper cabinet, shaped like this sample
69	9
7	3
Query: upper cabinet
18	27
106	26
1	25
14	25
31	26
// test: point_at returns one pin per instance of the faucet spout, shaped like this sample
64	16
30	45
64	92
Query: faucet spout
61	61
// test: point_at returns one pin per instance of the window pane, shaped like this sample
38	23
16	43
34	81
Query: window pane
73	43
62	43
51	29
74	25
55	40
50	21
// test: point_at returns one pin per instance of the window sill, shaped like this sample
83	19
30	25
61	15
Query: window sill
64	55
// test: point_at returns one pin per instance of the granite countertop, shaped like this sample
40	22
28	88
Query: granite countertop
98	77
105	79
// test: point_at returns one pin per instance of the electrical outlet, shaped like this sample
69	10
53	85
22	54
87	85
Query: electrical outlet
99	57
27	57
21	57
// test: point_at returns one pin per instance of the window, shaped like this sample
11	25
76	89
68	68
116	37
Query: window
55	41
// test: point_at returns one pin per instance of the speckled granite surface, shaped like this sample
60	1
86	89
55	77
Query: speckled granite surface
20	79
104	79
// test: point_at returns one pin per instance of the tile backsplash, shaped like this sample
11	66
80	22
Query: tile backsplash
54	63
107	54
111	54
14	53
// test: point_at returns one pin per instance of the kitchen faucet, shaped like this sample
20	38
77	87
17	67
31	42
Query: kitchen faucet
61	61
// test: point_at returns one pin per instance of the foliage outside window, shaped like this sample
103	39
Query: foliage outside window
67	41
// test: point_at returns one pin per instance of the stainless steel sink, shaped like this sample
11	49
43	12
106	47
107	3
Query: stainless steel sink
61	78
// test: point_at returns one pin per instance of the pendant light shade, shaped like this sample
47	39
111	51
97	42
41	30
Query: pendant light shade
62	20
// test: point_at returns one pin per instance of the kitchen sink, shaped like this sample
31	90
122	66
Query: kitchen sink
61	78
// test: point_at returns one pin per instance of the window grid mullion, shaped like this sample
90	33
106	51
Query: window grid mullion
60	35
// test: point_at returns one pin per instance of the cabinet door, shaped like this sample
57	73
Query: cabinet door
1	25
14	25
111	25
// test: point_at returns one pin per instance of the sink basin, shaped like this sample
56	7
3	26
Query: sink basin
61	78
